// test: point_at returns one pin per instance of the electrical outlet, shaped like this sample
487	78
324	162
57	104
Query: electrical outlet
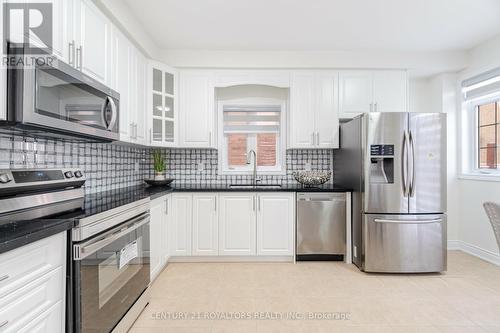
307	166
200	167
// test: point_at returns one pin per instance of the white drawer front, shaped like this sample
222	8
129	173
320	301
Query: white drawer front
21	307
51	321
22	265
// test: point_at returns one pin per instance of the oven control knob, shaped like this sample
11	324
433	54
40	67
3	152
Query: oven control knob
5	178
68	174
78	174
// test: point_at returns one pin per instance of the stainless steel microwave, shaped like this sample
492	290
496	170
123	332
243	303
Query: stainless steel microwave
59	99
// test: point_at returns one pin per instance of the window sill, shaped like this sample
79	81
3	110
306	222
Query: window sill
480	176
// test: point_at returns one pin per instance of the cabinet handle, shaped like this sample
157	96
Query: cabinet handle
3	278
210	139
317	138
79	57
135	131
253	203
258	202
166	206
150	136
71	53
314	139
376	107
3	323
215	204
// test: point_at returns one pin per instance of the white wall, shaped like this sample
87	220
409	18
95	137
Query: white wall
474	229
475	232
438	94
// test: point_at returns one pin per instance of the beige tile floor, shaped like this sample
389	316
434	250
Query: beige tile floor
465	299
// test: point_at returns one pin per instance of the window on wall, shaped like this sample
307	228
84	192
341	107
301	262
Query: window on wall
252	127
488	135
481	124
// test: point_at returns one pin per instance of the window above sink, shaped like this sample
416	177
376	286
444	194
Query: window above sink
256	121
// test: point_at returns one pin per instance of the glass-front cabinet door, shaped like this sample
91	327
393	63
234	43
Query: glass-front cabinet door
163	105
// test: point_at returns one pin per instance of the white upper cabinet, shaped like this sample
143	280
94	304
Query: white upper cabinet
92	36
390	91
237	219
275	223
122	81
129	68
196	109
314	110
62	33
373	91
205	225
140	89
326	115
302	130
161	110
356	92
82	38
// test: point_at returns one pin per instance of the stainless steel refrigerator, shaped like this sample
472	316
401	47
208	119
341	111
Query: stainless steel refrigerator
396	165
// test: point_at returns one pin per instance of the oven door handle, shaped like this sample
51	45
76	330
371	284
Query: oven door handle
81	251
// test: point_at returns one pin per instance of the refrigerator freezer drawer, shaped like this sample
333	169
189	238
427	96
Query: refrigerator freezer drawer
404	243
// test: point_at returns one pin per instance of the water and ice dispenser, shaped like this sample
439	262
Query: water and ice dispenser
382	164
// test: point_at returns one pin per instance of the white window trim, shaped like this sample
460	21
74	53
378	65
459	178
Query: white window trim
281	146
469	141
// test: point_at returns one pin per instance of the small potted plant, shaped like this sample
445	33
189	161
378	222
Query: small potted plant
159	165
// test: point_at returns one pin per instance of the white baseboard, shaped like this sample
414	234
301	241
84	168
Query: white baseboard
453	245
476	251
232	259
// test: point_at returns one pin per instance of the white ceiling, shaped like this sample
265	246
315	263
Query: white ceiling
322	25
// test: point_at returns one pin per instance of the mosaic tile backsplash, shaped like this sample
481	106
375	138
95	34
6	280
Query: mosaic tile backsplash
109	166
183	166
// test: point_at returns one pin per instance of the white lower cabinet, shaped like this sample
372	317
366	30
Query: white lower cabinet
237	234
205	225
181	224
158	229
33	287
232	224
275	223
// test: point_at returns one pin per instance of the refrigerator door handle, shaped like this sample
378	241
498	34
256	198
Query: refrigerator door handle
412	181
408	221
404	164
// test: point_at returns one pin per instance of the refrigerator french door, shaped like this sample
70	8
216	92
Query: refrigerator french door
405	163
399	189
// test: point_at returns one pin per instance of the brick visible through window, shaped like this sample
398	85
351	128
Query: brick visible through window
266	149
488	135
237	149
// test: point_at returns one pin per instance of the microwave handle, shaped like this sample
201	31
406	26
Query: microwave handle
113	113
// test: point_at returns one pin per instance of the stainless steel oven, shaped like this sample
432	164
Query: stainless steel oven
111	270
58	98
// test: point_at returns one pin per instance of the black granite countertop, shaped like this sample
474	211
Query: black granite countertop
14	234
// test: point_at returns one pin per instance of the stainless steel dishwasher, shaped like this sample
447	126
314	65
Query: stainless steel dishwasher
321	226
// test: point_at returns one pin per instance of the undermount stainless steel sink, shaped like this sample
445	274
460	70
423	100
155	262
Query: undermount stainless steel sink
261	186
